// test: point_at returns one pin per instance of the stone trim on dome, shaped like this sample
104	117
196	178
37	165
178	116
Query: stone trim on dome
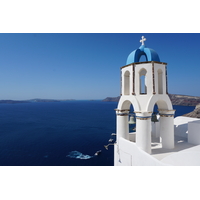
143	63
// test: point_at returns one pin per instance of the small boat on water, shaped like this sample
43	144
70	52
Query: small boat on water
97	153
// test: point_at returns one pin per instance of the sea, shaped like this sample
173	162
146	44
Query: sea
66	133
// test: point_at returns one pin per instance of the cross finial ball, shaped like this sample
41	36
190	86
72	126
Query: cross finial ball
142	40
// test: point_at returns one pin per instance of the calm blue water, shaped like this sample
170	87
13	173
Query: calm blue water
59	134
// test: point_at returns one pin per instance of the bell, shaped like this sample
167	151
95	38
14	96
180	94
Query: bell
132	120
154	118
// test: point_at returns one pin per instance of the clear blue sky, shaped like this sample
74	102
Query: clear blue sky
87	66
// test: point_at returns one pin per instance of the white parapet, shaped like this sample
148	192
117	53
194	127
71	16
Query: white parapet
181	125
127	153
194	132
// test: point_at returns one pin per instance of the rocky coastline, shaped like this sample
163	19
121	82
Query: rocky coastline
195	113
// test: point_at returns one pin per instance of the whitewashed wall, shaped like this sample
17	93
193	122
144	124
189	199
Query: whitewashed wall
130	155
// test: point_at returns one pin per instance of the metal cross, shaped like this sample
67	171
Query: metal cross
143	39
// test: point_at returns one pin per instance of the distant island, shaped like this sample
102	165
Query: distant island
12	101
180	100
49	100
32	100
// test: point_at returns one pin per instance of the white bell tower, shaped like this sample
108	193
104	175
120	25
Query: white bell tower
144	84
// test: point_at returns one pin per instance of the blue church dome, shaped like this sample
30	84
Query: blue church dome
135	55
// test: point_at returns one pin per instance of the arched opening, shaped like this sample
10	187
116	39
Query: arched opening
127	83
143	86
164	104
160	81
128	121
143	58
